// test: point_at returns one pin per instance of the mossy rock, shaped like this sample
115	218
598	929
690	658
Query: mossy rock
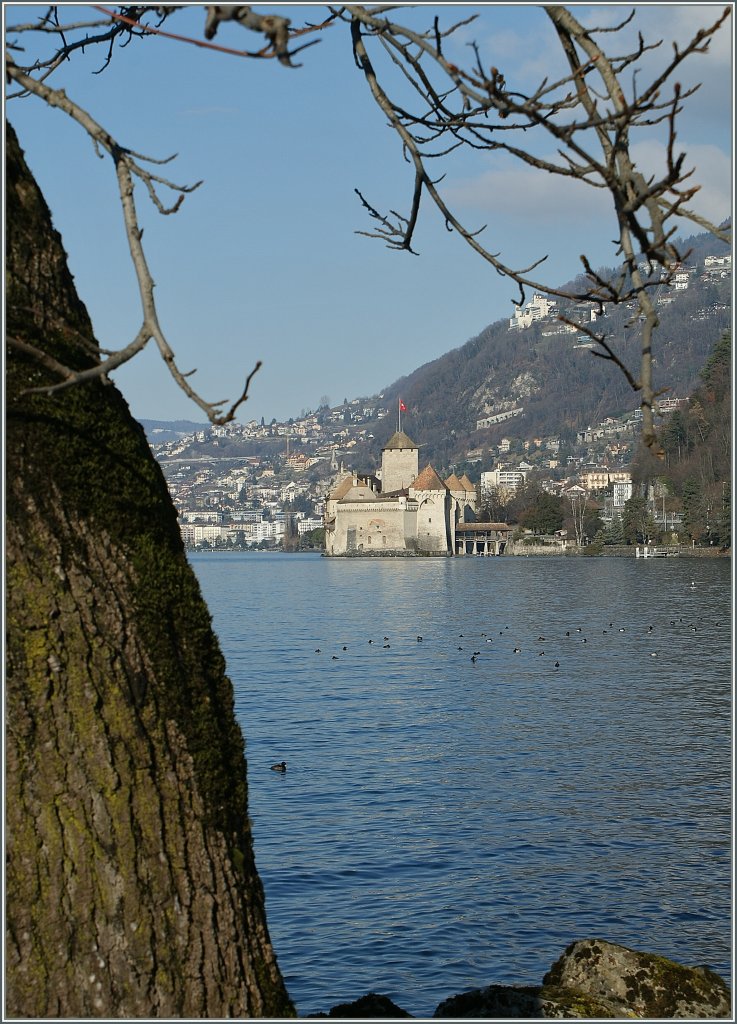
639	984
595	979
516	1002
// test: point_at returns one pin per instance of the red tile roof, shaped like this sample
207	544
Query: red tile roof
428	480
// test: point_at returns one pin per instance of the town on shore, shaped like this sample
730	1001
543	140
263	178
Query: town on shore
325	481
286	486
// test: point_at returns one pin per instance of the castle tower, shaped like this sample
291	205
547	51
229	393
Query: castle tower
435	520
399	463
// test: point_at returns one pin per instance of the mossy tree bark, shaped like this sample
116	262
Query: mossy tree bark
131	887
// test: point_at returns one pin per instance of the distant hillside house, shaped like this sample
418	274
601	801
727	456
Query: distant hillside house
598	479
538	308
507	479
406	512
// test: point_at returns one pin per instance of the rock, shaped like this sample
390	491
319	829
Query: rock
598	979
593	979
371	1006
640	984
511	1002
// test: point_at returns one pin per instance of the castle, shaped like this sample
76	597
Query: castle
405	512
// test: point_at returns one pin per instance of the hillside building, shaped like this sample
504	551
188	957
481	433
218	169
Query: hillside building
499	417
538	308
404	512
507	479
622	490
598	479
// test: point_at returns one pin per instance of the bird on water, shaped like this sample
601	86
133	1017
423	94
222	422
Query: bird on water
281	767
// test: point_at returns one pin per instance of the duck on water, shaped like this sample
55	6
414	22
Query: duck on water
280	767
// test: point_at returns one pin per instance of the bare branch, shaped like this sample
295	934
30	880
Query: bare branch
608	352
590	115
642	207
126	168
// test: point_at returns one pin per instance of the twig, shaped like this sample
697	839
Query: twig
126	168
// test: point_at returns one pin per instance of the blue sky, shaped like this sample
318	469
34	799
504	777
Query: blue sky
263	261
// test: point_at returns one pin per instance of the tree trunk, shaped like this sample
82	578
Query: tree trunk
131	887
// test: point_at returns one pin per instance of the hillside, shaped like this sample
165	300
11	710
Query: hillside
697	467
554	378
158	431
535	382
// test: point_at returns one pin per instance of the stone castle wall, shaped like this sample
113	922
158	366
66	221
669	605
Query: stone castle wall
433	522
373	528
399	467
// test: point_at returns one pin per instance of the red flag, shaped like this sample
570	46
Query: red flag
402	406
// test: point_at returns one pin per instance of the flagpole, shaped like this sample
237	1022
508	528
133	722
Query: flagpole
399	415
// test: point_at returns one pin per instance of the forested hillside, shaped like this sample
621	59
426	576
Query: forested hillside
556	379
548	381
698	452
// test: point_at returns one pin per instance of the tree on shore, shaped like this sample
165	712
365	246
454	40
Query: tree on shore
290	540
577	504
582	516
131	888
637	521
545	515
493	504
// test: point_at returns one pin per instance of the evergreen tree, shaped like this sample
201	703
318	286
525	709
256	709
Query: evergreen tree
693	509
545	515
676	439
637	522
615	534
717	371
722	529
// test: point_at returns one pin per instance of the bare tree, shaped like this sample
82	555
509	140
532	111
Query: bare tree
578	503
493	502
591	114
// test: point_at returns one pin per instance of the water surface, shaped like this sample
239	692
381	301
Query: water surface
444	822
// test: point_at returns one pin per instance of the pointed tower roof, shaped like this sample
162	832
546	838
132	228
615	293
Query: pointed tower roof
399	440
454	484
468	484
428	480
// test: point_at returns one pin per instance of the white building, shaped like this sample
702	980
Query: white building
201	516
718	261
308	525
538	308
193	534
509	479
622	492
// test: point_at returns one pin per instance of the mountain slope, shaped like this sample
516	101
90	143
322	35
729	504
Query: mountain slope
558	383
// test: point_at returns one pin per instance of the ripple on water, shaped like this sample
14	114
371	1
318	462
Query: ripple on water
444	824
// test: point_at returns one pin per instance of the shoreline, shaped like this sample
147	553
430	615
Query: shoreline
530	551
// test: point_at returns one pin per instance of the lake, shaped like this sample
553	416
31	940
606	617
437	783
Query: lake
487	759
